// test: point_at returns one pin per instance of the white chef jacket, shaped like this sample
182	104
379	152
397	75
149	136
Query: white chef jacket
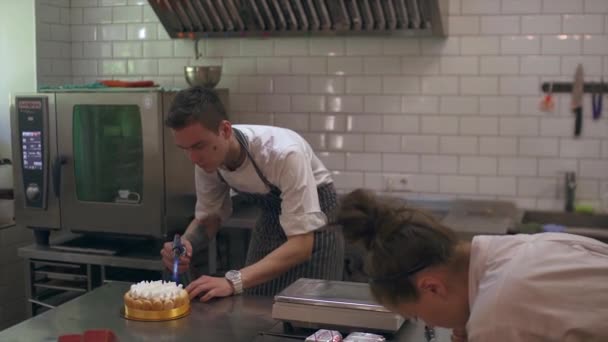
287	161
542	287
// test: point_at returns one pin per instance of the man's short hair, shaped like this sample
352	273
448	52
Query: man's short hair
196	104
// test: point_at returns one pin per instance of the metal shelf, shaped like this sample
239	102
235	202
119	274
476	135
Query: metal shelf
60	276
61	285
57	264
52	283
51	298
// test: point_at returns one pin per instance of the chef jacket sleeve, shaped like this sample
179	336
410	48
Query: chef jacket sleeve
300	209
212	195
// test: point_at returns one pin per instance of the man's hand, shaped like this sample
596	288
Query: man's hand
459	335
212	286
184	260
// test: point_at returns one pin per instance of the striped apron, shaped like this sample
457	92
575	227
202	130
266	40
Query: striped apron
327	260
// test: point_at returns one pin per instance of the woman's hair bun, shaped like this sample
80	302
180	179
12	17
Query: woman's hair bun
365	217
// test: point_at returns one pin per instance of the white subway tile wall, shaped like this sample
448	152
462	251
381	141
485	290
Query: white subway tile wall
458	115
54	37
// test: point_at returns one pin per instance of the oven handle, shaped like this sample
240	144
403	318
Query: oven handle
59	161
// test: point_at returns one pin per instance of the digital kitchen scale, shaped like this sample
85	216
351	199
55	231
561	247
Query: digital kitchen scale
346	306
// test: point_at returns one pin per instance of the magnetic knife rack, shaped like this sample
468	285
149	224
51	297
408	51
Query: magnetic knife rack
566	87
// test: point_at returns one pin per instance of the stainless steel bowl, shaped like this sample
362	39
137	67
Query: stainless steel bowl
203	76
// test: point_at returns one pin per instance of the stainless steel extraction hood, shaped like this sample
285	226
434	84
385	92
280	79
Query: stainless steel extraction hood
197	19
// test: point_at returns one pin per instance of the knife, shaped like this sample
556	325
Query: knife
577	99
597	99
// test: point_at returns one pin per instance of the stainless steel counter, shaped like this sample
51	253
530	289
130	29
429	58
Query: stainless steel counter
135	260
244	218
8	224
234	319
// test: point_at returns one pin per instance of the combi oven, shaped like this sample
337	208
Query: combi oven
99	161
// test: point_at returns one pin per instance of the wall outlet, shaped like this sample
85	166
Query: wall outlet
396	183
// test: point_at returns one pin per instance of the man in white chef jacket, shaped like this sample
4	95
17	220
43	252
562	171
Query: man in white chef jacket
276	169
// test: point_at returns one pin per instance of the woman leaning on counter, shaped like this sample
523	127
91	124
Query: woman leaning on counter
543	287
276	169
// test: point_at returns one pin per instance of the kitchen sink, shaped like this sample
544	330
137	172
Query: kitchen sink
566	219
591	225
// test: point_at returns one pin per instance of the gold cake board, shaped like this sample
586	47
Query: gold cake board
155	316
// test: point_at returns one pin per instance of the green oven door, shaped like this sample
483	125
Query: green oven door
108	153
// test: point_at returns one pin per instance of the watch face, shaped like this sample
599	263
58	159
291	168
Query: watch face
231	274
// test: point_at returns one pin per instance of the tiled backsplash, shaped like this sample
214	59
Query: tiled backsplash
53	42
457	116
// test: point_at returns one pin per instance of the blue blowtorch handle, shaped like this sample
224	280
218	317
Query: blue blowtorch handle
178	250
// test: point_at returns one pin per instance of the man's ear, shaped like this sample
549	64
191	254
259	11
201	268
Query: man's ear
225	129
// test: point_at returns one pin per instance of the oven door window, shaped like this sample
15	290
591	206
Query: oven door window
108	153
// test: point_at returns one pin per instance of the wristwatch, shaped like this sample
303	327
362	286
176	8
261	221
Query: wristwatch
234	277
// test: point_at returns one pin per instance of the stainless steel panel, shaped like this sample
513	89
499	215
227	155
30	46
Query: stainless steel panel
300	14
61	285
267	15
276	8
378	14
342	319
247	15
183	15
333	303
344	14
168	17
194	17
425	14
402	16
202	14
215	17
292	22
219	4
353	9
234	13
143	219
315	23
339	19
59	274
48	218
299	17
367	15
413	13
339	294
326	23
439	17
390	15
257	15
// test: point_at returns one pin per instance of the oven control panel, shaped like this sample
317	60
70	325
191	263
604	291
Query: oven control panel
32	113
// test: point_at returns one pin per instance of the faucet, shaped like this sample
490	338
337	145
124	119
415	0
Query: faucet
570	185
